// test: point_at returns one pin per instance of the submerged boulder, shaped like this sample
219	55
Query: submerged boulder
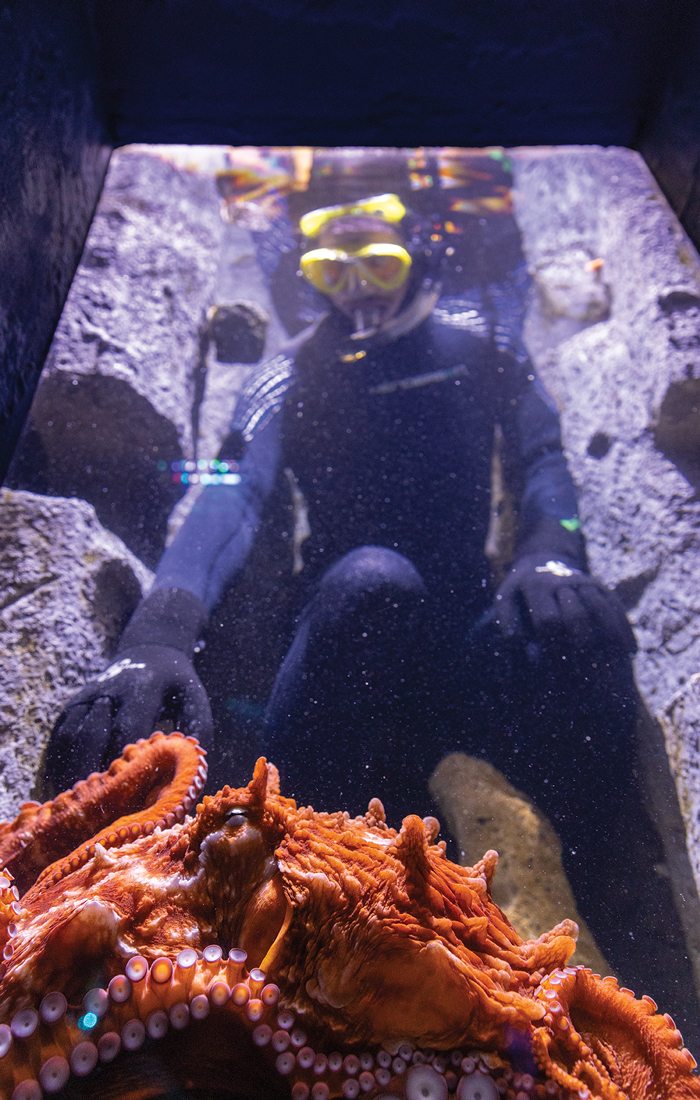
69	586
114	405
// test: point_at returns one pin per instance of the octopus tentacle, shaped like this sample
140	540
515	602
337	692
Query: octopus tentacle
10	907
154	782
598	1036
46	1046
376	968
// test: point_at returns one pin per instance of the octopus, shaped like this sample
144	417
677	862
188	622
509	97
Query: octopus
157	943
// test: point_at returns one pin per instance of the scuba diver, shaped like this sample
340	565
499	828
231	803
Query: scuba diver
378	423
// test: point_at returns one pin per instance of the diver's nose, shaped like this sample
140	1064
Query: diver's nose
355	281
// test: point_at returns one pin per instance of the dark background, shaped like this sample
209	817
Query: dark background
79	77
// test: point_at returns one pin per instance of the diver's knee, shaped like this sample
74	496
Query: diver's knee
369	569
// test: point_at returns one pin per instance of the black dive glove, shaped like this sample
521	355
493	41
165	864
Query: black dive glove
547	600
151	681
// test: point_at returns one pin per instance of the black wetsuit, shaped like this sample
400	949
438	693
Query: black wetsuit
388	460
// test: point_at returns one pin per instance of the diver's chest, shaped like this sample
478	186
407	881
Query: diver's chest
393	433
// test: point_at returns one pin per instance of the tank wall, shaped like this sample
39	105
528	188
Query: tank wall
670	137
53	155
341	73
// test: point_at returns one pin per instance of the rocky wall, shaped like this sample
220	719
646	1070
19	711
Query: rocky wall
142	372
615	331
114	407
68	588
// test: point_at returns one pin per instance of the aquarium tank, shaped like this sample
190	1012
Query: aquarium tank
350	672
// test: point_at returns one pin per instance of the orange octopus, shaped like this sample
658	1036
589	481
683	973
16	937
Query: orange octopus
261	949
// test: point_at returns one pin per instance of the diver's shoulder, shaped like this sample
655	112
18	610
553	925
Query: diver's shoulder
269	375
263	394
463	314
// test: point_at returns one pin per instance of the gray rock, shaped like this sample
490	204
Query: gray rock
69	586
147	359
628	386
117	391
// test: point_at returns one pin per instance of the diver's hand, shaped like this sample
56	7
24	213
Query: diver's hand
145	686
557	604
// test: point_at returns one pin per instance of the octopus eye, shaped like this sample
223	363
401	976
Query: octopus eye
236	817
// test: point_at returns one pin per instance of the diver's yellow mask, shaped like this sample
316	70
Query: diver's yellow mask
361	262
381	264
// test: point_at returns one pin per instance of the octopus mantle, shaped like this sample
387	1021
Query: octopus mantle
257	948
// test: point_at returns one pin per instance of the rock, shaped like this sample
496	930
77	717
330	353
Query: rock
69	587
628	386
167	304
116	395
482	810
627	392
571	293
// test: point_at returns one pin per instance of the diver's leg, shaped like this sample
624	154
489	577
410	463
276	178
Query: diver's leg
347	713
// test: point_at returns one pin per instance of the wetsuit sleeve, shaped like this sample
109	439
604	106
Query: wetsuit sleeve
213	543
535	466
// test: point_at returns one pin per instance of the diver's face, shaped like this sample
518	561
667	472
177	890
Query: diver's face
366	304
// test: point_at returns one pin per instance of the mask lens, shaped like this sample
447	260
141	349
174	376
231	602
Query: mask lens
323	272
329	275
387	272
385	266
